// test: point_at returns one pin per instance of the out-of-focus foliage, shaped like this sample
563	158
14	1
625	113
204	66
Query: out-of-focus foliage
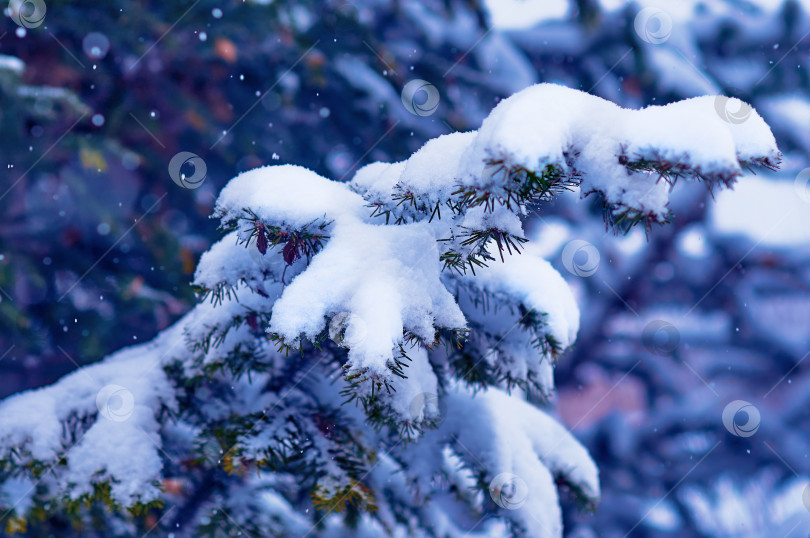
707	312
98	243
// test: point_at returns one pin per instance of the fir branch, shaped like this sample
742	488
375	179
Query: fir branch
621	218
671	169
218	294
336	499
518	184
305	241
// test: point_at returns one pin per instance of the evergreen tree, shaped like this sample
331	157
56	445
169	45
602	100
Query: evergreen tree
372	357
285	80
717	287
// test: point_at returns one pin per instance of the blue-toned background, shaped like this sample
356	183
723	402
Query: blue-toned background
98	244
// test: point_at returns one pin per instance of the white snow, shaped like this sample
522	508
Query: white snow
547	124
124	448
508	437
12	63
522	14
766	211
536	284
288	195
375	283
386	276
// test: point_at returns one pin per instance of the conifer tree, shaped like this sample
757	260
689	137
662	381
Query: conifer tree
371	357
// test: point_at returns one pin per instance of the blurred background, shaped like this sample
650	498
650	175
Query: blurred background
679	324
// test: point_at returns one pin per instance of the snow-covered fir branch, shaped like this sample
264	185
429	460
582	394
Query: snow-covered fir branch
377	355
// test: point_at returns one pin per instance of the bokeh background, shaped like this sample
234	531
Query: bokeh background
98	244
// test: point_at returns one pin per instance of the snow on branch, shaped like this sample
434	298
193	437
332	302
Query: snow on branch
99	426
549	138
512	449
409	286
